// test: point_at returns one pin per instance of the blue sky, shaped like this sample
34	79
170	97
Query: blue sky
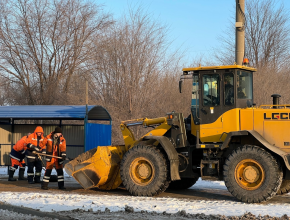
194	25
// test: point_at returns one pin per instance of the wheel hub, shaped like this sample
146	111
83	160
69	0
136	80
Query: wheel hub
251	174
144	171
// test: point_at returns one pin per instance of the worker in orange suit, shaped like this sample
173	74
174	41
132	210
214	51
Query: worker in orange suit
55	145
34	143
17	159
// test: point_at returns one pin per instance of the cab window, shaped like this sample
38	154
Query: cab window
211	90
229	98
245	85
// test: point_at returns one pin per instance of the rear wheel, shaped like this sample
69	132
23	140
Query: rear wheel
182	184
251	174
284	188
144	171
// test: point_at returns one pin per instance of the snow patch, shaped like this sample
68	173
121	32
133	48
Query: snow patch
49	202
203	184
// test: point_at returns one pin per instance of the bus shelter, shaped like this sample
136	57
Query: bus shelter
84	127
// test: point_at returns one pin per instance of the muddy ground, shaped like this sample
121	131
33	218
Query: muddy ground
72	187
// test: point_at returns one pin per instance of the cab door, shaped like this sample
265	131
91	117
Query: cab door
211	123
210	105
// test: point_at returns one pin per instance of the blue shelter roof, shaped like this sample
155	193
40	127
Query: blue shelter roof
54	112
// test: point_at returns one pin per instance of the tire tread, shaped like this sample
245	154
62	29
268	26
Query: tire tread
247	196
161	183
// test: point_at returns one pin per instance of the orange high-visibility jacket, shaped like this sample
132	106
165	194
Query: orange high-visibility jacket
32	139
57	150
18	150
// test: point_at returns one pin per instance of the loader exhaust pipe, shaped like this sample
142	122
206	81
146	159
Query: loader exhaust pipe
276	98
240	31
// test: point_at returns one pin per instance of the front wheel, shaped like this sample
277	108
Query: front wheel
252	175
144	171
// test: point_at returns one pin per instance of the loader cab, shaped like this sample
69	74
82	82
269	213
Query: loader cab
215	91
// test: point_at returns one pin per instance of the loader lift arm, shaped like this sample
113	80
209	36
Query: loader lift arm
155	136
128	135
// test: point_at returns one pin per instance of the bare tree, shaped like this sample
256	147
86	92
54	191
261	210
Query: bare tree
267	35
50	48
44	44
266	45
133	68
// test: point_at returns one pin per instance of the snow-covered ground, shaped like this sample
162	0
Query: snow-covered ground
51	202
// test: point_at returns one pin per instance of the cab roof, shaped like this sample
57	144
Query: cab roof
219	68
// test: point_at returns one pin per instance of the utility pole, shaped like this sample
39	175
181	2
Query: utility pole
240	31
87	93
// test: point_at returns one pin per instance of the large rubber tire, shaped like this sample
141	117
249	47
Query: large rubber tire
141	157
184	183
284	188
269	179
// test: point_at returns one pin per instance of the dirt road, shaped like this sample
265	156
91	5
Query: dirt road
72	187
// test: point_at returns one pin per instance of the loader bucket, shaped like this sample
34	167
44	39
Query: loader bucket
99	167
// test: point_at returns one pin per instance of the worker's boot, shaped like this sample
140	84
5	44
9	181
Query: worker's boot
11	173
30	170
60	179
61	185
44	185
46	178
21	173
37	177
30	178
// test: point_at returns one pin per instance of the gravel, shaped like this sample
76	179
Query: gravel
144	215
131	215
10	215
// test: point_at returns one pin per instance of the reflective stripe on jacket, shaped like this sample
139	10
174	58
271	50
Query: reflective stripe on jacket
59	148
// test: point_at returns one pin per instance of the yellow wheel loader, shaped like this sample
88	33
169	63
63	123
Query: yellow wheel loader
226	137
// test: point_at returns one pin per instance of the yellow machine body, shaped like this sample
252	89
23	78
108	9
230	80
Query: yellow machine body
227	122
272	124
